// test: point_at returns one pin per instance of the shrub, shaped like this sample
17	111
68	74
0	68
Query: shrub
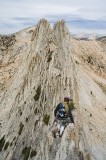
6	145
90	115
26	152
21	128
2	141
26	119
81	155
33	153
46	119
90	60
49	57
38	92
76	62
72	104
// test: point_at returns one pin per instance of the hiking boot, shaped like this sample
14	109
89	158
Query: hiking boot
57	134
60	136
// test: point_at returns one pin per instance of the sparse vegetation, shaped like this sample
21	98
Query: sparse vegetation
46	119
2	142
26	152
21	128
76	62
26	119
81	155
72	104
90	115
49	57
33	153
7	41
89	60
38	92
20	111
6	145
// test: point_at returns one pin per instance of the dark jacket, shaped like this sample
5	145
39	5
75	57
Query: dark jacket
60	112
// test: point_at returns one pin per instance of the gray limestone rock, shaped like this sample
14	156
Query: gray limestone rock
38	67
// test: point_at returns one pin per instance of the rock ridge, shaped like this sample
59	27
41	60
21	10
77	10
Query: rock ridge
38	67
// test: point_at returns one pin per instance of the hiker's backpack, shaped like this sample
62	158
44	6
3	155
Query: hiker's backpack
60	112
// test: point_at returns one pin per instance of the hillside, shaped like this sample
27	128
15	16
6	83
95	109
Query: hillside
39	66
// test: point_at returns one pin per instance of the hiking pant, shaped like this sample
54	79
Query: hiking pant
61	125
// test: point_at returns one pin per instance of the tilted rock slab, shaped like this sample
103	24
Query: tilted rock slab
38	67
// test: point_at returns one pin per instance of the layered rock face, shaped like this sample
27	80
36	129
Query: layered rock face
39	66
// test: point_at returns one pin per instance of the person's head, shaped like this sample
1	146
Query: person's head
66	99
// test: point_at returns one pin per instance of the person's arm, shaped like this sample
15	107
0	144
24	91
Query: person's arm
56	109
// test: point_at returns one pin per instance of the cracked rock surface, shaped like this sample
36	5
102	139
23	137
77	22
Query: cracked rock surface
38	67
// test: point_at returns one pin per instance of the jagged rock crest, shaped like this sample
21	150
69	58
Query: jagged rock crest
39	66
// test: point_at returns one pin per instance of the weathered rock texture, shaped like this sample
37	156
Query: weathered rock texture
38	67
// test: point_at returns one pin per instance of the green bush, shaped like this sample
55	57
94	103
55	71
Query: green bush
21	128
6	145
26	152
26	119
38	92
90	115
72	104
90	60
2	141
33	153
46	119
49	57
